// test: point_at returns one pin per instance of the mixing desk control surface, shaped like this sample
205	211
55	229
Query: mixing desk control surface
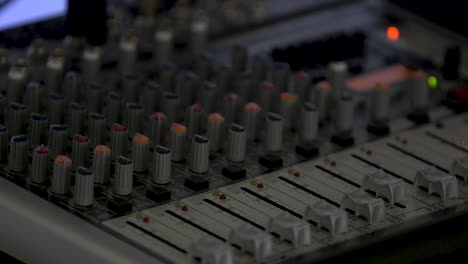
191	152
313	204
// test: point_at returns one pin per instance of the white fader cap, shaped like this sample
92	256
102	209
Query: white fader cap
212	251
373	209
385	185
326	215
460	168
291	228
439	182
252	239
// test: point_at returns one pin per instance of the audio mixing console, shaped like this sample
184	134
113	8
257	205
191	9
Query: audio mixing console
237	136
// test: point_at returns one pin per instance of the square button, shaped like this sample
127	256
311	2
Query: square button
119	207
158	195
271	161
307	150
234	172
196	183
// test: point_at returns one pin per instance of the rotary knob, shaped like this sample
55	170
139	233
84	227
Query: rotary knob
97	129
37	129
309	123
215	130
158	129
83	193
162	165
123	178
236	147
40	165
273	133
57	139
199	155
194	118
140	152
17	117
18	158
118	140
177	141
80	151
61	176
288	109
251	120
101	164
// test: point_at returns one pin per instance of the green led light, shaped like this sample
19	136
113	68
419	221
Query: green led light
432	82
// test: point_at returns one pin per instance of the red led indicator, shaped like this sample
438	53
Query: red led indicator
222	197
333	163
296	174
393	33
260	186
146	219
369	152
184	208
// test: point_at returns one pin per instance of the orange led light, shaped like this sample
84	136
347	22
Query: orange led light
215	117
140	138
393	34
178	128
252	107
288	97
62	159
102	149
